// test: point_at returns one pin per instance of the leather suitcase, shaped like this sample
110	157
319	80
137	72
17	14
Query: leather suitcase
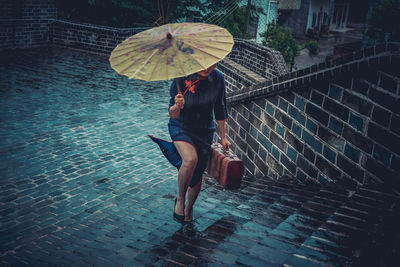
225	167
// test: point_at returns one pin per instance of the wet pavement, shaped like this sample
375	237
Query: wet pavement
82	185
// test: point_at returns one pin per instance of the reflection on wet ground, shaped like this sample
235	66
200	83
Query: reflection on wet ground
80	183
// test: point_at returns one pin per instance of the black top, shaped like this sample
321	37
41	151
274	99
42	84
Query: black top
208	96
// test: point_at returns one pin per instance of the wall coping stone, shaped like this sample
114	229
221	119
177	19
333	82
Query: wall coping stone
273	56
351	62
99	27
248	74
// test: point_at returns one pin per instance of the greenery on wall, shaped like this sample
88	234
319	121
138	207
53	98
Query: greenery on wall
281	39
312	47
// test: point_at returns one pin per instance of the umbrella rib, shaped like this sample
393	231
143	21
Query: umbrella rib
181	66
119	63
194	46
151	74
120	49
141	67
213	41
205	45
115	65
114	57
130	65
198	62
205	52
208	29
194	35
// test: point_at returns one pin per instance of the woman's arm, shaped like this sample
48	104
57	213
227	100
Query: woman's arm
174	111
221	129
176	102
221	114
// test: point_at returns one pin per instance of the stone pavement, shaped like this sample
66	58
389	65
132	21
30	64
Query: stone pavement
82	185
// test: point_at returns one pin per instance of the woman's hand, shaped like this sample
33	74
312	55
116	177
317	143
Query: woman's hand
221	128
225	144
175	110
179	101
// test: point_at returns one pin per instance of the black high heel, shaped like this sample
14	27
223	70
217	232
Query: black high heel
177	217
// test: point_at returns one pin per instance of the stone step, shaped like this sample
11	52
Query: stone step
279	223
345	230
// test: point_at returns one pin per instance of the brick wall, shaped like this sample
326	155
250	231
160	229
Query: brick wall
238	77
250	64
87	37
334	122
262	60
26	23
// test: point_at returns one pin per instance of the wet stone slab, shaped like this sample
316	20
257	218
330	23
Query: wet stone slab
81	183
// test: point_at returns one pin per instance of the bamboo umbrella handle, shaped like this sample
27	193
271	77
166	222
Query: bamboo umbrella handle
178	85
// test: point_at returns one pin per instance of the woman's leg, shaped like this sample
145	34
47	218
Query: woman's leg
189	162
203	154
193	192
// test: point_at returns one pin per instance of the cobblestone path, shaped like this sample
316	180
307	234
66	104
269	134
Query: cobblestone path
82	185
76	164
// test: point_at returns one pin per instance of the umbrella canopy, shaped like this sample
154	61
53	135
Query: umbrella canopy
171	51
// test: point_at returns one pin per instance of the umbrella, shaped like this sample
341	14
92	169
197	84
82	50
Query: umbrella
171	51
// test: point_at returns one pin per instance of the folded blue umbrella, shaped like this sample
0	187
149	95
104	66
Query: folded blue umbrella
169	151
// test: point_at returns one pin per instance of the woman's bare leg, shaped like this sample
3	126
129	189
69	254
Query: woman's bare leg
189	162
193	192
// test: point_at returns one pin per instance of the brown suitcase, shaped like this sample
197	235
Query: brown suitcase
225	167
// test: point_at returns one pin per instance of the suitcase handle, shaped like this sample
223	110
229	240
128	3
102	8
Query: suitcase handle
224	152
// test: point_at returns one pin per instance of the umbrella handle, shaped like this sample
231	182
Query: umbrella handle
178	85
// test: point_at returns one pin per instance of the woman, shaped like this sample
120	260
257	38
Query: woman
191	127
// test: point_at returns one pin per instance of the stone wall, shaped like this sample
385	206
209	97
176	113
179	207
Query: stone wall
338	121
26	23
249	64
87	37
260	59
238	77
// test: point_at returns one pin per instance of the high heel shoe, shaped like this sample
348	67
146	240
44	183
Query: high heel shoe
177	217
